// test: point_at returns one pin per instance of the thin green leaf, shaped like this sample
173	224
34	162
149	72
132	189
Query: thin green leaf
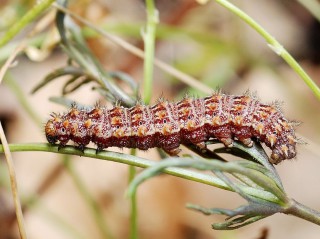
74	83
127	79
67	70
258	153
237	223
67	102
259	178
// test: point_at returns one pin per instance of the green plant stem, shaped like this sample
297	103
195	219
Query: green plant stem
302	211
133	202
139	162
25	20
94	207
149	42
133	213
274	45
294	208
258	177
149	46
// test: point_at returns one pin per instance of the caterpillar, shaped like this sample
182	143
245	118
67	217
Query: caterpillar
167	125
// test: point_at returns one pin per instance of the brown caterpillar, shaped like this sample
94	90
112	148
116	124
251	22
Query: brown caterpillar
167	125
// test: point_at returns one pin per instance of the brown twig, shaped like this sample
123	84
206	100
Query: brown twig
13	182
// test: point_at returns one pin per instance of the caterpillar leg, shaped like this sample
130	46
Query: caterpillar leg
99	149
172	152
202	146
247	142
228	142
61	146
80	147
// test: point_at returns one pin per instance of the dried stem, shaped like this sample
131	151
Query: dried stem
13	182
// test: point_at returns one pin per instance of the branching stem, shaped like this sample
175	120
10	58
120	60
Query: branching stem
292	208
274	45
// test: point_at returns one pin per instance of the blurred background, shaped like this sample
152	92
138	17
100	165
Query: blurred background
204	41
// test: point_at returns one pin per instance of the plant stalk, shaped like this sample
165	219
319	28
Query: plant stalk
142	163
149	46
133	203
294	208
304	212
274	45
40	7
14	185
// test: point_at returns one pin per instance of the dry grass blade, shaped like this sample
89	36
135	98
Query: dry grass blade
7	152
9	61
13	182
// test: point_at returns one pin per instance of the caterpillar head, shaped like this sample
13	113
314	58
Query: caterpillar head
283	152
284	147
57	130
